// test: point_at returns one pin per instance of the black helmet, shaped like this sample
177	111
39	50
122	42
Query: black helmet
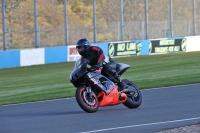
82	46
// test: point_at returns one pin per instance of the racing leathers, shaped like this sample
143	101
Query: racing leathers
97	60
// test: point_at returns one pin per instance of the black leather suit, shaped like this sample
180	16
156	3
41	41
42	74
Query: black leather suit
96	57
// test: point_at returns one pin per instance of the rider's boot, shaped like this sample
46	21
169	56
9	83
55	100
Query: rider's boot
122	86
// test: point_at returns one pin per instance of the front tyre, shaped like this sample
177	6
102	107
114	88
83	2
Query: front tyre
89	103
134	99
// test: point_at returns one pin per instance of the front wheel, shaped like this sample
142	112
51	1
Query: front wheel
89	103
134	99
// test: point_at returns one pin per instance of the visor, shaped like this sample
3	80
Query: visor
80	48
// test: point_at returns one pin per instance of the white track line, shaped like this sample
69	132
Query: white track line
73	97
140	125
35	102
170	87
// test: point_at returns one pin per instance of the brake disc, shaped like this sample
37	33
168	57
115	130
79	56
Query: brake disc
88	100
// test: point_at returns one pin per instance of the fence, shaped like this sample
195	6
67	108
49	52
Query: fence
45	23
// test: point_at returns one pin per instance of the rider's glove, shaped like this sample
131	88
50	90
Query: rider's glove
96	67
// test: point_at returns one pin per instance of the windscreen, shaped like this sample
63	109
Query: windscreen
80	62
77	63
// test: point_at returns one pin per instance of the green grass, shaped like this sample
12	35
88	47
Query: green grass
51	81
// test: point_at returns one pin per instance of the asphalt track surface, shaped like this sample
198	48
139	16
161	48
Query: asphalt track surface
162	108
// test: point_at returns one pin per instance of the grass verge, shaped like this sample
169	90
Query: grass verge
42	82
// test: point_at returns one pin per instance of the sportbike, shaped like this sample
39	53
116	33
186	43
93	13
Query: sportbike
96	90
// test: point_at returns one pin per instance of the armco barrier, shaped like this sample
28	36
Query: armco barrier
56	54
128	48
193	43
142	49
17	58
169	45
9	59
30	57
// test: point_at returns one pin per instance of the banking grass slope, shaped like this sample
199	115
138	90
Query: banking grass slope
51	81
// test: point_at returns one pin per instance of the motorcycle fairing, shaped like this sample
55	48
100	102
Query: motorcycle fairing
112	99
109	86
80	69
100	82
121	68
93	79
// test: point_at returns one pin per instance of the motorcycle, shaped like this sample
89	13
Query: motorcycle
96	90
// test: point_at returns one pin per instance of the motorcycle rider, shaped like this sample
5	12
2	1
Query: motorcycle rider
97	59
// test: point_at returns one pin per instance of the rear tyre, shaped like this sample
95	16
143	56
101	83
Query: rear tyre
88	103
134	99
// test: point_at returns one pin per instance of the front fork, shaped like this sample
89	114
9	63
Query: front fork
89	90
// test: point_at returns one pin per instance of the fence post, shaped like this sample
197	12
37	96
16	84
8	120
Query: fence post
36	25
66	22
94	21
4	25
147	19
171	19
165	29
194	18
121	20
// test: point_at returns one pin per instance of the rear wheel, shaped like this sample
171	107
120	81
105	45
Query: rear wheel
134	99
88	102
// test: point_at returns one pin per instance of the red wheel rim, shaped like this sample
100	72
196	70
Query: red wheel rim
88	100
